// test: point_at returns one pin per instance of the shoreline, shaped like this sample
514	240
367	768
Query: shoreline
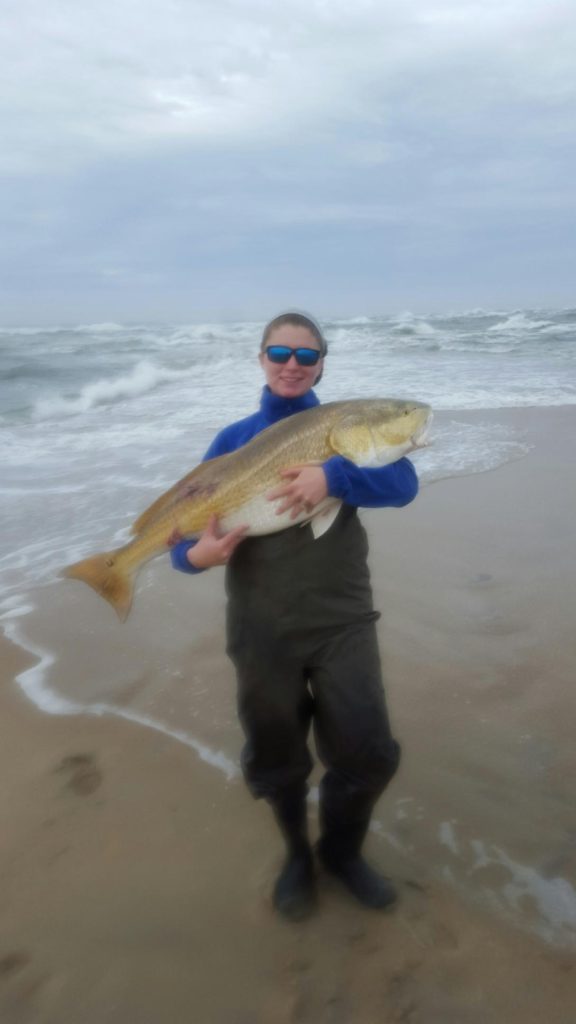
508	413
136	876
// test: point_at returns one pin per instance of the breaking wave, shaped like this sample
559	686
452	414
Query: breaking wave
410	326
519	322
144	377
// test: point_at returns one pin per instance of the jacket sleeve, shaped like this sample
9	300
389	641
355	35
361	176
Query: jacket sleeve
394	486
179	560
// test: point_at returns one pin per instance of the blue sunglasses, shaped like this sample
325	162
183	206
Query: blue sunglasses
282	354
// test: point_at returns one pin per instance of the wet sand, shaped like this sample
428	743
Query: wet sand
136	877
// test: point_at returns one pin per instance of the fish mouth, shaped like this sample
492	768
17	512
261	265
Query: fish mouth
421	437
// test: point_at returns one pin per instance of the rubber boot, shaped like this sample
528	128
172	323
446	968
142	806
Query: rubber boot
295	889
339	852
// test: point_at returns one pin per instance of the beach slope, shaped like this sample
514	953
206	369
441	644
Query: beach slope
136	878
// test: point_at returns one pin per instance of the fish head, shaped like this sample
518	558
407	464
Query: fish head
380	431
397	422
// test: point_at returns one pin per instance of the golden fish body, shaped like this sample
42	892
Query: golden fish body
234	487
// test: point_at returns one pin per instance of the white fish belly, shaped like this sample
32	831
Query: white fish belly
260	516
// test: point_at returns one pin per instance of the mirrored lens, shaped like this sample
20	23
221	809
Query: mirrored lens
282	353
307	356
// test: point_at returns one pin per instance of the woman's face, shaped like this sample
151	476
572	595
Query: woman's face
289	380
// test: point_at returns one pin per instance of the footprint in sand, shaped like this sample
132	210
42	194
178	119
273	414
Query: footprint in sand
400	998
422	919
13	963
433	934
83	775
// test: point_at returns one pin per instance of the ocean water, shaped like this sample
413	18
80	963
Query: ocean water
96	420
129	409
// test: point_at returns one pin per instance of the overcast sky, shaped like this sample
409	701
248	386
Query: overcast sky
183	159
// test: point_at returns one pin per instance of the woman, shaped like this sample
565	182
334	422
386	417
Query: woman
301	634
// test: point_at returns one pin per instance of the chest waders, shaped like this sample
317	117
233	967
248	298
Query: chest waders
301	634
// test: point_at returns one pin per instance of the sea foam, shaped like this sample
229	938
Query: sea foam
144	377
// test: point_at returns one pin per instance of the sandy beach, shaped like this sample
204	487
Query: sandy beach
136	876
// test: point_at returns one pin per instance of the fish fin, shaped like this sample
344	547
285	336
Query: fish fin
187	487
321	523
351	438
112	583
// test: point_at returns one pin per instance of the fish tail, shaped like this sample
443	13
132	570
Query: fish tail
107	578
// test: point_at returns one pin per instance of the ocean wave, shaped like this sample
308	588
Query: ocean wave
19	492
104	328
557	329
519	322
409	326
145	377
29	371
72	329
464	449
31	331
353	321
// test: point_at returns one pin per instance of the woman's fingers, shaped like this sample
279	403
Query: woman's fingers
296	501
292	474
279	492
215	547
306	489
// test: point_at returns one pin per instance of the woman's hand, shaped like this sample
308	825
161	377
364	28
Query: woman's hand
307	488
215	547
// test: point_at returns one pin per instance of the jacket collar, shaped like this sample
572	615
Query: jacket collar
274	407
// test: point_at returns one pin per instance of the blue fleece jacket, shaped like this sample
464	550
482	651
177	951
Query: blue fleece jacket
387	486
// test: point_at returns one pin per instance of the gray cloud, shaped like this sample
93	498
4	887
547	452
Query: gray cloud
160	155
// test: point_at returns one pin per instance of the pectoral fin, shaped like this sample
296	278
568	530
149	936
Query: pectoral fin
323	521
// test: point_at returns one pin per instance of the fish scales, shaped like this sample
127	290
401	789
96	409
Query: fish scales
234	487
